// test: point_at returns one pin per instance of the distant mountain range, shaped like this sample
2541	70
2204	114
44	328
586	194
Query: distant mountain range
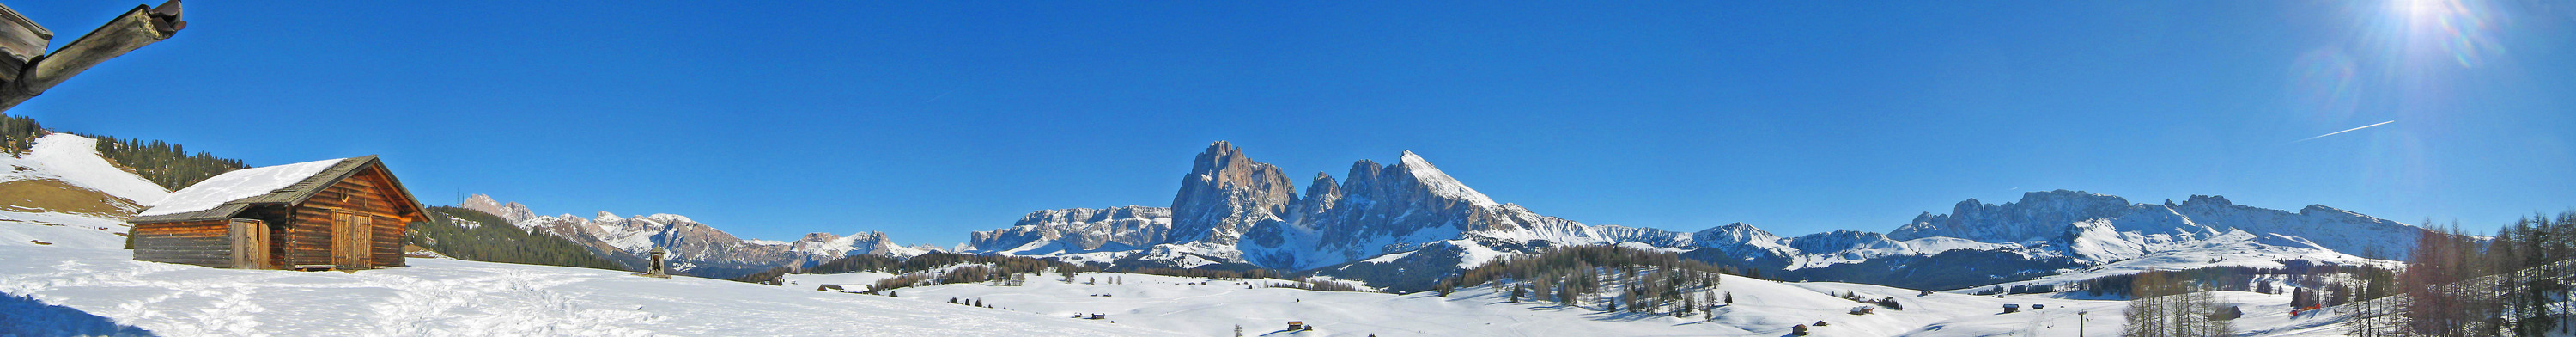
1402	226
694	248
1398	226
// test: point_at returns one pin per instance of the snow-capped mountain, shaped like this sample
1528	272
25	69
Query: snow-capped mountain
1079	234
1399	225
2051	232
1233	212
513	211
695	248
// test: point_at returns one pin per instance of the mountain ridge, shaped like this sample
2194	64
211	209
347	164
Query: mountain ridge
1233	212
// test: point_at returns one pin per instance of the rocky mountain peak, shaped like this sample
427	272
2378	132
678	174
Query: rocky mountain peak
1439	183
605	216
2038	215
2206	200
514	212
1733	232
1226	193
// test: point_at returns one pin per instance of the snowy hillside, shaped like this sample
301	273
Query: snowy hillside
61	193
439	297
75	159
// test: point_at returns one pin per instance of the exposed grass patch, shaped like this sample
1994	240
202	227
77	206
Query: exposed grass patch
55	196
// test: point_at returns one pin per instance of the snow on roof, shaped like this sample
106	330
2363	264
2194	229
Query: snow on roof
237	185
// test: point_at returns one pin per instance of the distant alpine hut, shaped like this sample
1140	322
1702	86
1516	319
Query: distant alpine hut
344	214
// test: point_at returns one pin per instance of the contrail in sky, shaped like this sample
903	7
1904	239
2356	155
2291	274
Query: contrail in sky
2345	130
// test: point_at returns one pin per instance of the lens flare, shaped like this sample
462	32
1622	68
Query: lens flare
2324	84
2459	29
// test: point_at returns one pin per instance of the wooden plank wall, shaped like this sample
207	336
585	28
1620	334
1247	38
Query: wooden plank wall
308	239
204	243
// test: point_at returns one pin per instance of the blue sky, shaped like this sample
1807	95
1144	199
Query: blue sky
926	121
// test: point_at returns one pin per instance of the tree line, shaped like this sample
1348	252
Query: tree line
2457	284
473	235
1605	278
2177	304
980	268
166	164
17	133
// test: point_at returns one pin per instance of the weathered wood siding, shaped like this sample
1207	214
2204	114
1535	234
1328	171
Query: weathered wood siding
309	238
235	243
204	243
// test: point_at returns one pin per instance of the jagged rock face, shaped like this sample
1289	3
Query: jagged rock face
514	212
1225	194
1077	230
1233	212
2038	216
825	246
1385	209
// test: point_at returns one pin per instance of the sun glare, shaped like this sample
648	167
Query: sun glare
2456	29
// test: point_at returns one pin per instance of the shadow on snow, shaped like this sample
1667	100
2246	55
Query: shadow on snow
23	316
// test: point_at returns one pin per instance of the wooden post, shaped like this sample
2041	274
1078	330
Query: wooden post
138	27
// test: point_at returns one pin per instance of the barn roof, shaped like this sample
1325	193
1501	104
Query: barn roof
227	195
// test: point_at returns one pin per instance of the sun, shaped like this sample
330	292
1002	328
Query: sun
2458	30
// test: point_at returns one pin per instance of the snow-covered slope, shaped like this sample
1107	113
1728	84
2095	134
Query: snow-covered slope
75	159
1214	307
439	297
1761	308
61	193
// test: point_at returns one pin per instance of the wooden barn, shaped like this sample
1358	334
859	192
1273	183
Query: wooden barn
344	214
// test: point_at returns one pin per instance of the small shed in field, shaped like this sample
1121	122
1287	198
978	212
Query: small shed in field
332	214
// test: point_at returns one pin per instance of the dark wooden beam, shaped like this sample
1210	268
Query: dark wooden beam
138	27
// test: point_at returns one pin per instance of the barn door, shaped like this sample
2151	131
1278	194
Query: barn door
349	239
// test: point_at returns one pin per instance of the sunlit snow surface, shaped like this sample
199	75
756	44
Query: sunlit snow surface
236	185
438	297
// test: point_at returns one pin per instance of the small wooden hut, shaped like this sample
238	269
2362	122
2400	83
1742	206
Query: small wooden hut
342	214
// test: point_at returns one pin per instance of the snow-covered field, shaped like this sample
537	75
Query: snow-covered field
1762	308
438	297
